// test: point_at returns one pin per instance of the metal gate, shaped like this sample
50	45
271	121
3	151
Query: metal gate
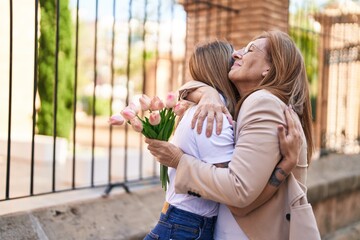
329	36
120	49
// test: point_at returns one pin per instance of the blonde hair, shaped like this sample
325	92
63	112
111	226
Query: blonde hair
210	63
287	79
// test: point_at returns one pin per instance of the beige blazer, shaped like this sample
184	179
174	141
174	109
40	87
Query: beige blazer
255	156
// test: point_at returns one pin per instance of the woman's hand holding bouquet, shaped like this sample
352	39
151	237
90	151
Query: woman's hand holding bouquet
157	124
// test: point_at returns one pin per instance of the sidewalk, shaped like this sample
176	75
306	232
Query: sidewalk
130	216
333	174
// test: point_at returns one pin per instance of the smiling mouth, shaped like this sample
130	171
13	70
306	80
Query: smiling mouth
236	64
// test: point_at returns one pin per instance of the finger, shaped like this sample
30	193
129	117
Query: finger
219	122
281	133
200	122
152	150
210	124
296	120
297	129
153	143
289	120
227	114
195	118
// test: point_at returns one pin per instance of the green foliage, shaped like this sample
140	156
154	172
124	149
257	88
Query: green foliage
136	61
46	68
307	43
101	106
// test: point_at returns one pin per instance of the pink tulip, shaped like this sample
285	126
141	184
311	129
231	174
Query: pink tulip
128	113
116	119
145	102
156	104
136	124
171	100
180	108
134	107
154	118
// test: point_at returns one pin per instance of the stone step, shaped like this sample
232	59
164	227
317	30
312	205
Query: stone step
350	232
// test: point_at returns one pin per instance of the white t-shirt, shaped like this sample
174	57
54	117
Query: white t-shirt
226	227
216	149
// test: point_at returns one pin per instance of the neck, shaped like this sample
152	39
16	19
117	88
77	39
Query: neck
244	89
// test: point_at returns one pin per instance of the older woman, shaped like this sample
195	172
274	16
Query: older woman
269	74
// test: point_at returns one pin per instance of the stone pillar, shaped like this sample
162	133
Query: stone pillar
320	123
237	21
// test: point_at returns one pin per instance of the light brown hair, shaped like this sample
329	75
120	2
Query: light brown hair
287	79
210	63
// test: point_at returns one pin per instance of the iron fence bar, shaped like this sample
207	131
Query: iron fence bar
127	87
144	80
56	77
338	88
186	44
34	99
171	76
94	96
108	187
7	193
158	44
149	180
158	16
50	192
126	185
345	98
73	175
112	87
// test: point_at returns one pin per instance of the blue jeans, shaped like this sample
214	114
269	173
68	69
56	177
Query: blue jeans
180	225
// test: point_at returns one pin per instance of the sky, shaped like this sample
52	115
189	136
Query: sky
87	9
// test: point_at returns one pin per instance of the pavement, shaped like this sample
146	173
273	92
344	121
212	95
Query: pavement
131	215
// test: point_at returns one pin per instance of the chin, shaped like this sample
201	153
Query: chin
232	76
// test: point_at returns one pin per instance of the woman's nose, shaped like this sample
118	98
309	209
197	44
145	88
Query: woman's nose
237	54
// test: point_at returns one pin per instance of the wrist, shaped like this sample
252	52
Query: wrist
176	159
207	91
277	177
287	164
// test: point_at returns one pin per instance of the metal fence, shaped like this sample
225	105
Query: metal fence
120	50
329	37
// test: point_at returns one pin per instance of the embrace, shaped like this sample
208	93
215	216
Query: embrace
240	180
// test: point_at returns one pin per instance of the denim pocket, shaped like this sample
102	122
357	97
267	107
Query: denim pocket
151	236
162	230
181	231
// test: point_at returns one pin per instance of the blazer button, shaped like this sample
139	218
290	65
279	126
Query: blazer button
288	216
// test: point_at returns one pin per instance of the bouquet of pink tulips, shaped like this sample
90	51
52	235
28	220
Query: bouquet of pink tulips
159	124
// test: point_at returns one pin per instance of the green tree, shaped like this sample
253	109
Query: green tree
303	32
46	80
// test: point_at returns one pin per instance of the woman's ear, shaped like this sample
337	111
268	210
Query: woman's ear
263	74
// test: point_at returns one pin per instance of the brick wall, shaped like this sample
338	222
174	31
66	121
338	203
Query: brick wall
237	21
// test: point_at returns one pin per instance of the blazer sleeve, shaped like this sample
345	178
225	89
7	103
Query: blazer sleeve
255	157
188	87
